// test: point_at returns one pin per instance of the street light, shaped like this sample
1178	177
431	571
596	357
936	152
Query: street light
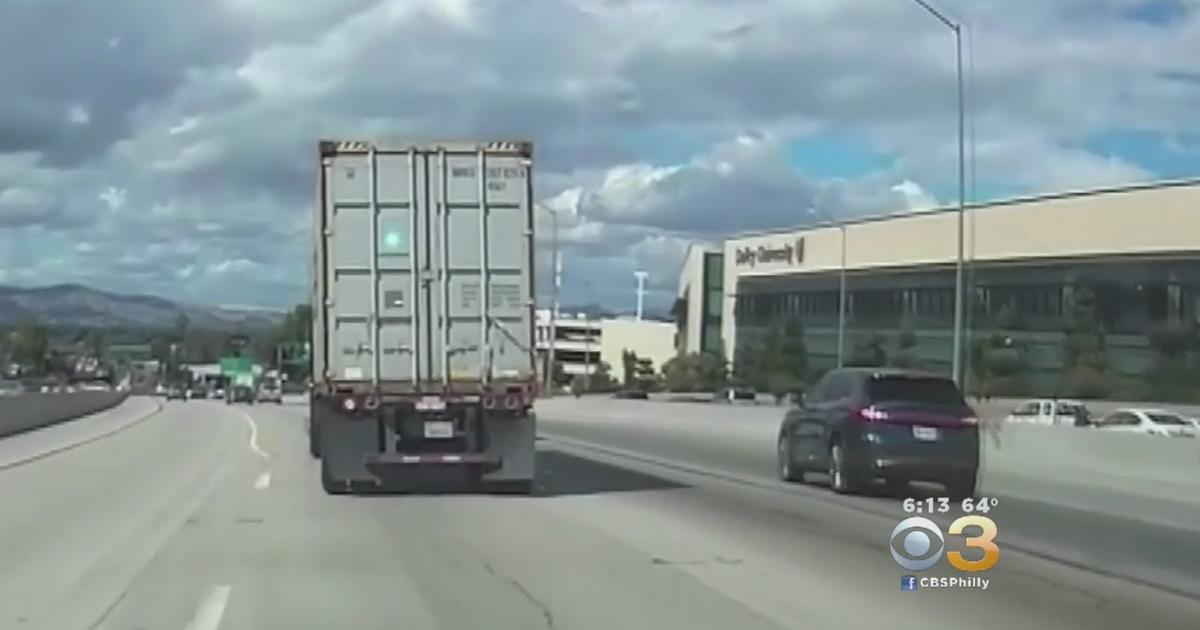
956	364
556	261
841	333
641	291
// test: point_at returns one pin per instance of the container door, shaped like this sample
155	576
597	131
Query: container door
372	203
482	221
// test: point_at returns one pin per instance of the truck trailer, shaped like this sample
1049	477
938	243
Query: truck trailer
423	358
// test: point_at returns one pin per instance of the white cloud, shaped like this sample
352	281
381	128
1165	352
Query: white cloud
656	121
187	124
114	198
79	115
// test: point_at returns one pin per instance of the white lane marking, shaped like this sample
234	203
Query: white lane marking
254	436
208	615
263	482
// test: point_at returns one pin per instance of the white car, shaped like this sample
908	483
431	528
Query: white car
1158	422
1046	412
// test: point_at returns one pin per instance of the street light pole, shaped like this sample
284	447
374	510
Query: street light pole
841	336
641	291
556	263
959	297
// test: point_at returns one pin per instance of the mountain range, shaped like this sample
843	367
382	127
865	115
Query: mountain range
78	306
73	305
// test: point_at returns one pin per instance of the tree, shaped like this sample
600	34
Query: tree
628	368
681	373
96	343
1084	352
30	343
786	364
869	351
1174	370
181	327
712	370
746	364
601	379
905	355
698	371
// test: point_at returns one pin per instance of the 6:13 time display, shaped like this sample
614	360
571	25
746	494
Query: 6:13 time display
927	505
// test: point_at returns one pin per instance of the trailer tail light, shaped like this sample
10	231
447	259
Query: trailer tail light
349	405
511	402
489	401
371	403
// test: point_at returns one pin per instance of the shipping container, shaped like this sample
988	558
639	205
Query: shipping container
423	310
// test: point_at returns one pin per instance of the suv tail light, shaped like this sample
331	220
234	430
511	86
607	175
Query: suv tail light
349	405
871	414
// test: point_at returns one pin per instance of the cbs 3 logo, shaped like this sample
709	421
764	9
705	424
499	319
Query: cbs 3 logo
917	543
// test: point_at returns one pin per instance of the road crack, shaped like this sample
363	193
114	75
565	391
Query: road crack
537	603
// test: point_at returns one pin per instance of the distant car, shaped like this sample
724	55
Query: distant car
1159	422
863	424
240	393
733	394
270	392
175	392
11	388
217	393
1048	412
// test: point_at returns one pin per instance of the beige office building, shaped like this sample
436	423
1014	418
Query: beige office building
1136	248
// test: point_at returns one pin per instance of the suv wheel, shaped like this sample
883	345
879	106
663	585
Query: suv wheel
788	471
842	477
961	487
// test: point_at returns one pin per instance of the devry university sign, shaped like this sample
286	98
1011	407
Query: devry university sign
788	254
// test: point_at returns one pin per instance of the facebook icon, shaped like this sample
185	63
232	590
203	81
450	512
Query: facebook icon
908	583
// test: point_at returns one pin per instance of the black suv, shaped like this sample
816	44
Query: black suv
863	424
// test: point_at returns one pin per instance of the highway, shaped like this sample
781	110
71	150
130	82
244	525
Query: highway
199	515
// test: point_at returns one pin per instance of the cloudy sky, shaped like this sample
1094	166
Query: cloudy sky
168	148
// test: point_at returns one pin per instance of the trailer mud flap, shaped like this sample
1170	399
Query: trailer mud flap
344	441
511	440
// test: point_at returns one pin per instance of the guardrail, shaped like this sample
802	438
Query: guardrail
25	412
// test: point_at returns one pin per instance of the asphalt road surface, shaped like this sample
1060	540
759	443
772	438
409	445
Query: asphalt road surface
199	515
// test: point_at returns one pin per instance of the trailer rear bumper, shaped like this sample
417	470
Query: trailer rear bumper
481	462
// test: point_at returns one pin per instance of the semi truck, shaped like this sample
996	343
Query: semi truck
423	359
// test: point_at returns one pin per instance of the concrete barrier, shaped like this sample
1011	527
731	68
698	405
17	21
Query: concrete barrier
26	412
1146	477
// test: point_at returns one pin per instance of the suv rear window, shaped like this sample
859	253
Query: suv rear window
935	391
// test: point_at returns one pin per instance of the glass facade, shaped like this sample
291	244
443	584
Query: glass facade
1021	306
714	292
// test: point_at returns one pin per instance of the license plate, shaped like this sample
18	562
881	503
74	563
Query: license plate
925	434
439	430
431	403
